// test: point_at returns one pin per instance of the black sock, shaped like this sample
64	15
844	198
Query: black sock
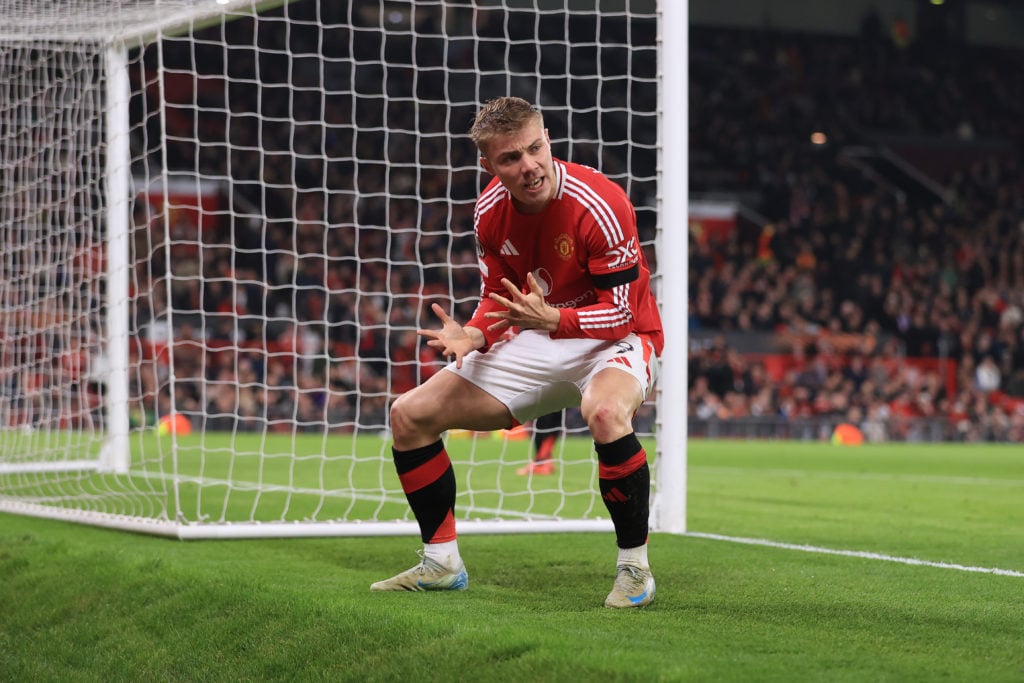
625	483
429	483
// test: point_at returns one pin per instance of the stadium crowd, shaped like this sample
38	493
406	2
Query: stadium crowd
861	277
307	316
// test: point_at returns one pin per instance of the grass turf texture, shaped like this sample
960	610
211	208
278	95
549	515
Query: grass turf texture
80	603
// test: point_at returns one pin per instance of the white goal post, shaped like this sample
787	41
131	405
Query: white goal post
222	222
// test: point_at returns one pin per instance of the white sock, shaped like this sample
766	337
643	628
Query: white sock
634	556
445	554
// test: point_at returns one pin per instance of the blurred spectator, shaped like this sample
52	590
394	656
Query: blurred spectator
308	313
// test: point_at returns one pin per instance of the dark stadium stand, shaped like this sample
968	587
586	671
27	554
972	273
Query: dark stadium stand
875	277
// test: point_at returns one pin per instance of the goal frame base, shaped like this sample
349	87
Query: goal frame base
257	530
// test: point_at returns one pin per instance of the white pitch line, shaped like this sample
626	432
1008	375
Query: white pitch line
914	478
857	553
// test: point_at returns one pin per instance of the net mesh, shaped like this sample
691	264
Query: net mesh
101	21
303	189
51	252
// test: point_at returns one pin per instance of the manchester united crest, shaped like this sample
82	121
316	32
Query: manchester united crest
564	246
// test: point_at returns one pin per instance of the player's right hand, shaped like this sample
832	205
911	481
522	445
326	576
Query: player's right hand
452	340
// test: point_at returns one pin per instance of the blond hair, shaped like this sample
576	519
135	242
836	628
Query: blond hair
502	116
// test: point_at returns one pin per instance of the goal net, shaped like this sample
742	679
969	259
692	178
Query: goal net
223	222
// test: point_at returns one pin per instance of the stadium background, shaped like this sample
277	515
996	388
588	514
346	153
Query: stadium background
856	238
802	561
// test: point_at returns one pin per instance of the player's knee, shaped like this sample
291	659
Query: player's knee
403	419
607	421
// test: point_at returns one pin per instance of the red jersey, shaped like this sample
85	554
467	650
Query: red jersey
583	249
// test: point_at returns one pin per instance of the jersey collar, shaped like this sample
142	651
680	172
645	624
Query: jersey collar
560	173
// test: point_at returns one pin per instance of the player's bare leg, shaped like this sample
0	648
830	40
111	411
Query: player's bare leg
445	401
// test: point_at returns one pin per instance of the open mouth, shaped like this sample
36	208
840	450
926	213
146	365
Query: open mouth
535	183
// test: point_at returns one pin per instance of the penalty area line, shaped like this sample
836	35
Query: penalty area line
856	553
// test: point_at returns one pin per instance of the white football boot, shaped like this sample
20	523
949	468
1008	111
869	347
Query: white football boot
428	575
634	587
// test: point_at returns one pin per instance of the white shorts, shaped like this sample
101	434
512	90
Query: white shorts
533	374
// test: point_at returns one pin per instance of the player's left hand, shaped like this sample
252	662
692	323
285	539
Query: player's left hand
525	310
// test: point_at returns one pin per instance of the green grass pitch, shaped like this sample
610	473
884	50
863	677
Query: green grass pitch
81	603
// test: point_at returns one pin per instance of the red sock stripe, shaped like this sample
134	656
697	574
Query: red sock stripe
624	469
425	474
445	532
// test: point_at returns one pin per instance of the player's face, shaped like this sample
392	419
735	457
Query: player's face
522	162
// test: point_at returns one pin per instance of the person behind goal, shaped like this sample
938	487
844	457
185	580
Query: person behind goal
566	319
546	431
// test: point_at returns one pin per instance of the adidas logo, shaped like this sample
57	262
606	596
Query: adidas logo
508	249
615	496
